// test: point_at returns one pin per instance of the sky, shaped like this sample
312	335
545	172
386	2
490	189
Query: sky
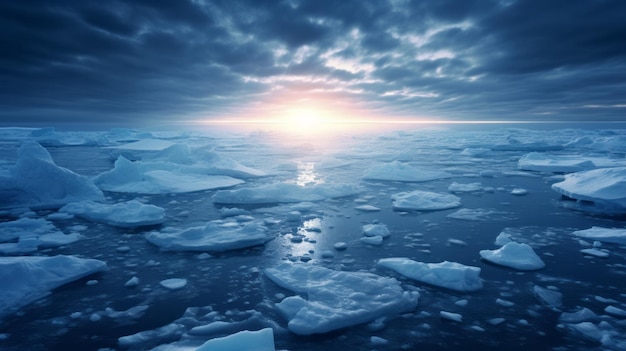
147	61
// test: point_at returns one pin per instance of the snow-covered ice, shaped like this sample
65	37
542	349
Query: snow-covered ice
401	172
127	214
336	299
27	279
284	193
465	187
605	187
419	200
542	162
173	283
35	180
449	275
261	340
31	235
514	255
213	236
378	229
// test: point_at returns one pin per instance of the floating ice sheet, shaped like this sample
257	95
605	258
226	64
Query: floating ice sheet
213	236
336	299
449	275
124	214
31	235
542	162
401	172
284	193
606	187
424	201
608	235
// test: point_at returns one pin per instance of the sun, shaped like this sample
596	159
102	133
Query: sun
304	118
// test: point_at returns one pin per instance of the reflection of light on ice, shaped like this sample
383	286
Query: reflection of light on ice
307	174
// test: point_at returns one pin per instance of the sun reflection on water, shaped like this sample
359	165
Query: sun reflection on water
307	175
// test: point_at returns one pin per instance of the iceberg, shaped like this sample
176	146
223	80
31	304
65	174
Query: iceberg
284	193
606	187
135	213
400	172
157	178
449	275
424	201
36	181
27	279
213	236
514	255
336	299
608	235
542	162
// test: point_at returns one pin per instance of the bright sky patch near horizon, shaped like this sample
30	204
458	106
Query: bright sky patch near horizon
311	63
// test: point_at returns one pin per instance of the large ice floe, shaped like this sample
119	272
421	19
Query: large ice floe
608	235
401	172
514	255
261	340
449	275
605	187
541	162
127	214
35	180
27	279
335	299
213	236
284	193
419	200
27	235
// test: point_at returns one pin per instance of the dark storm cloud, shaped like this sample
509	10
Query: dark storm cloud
115	61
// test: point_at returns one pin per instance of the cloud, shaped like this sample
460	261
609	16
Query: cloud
140	61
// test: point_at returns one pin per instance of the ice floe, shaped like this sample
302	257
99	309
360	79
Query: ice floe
27	279
449	275
31	235
608	235
213	236
377	229
551	298
514	255
284	193
158	178
127	214
35	180
419	200
336	299
465	187
542	162
480	214
261	340
605	187
401	172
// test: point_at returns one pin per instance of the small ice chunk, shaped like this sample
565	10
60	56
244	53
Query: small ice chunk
401	172
462	302
367	208
615	311
449	275
375	340
496	321
519	191
261	340
457	242
514	255
373	240
609	235
504	303
550	298
340	245
135	213
173	283
336	299
465	188
582	315
134	281
455	317
595	252
424	201
376	230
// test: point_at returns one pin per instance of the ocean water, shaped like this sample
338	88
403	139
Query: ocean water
231	286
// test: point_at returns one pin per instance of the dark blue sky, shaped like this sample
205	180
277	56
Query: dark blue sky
144	61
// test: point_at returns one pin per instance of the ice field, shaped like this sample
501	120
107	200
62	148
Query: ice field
432	238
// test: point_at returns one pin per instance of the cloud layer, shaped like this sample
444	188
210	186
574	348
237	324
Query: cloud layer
81	61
